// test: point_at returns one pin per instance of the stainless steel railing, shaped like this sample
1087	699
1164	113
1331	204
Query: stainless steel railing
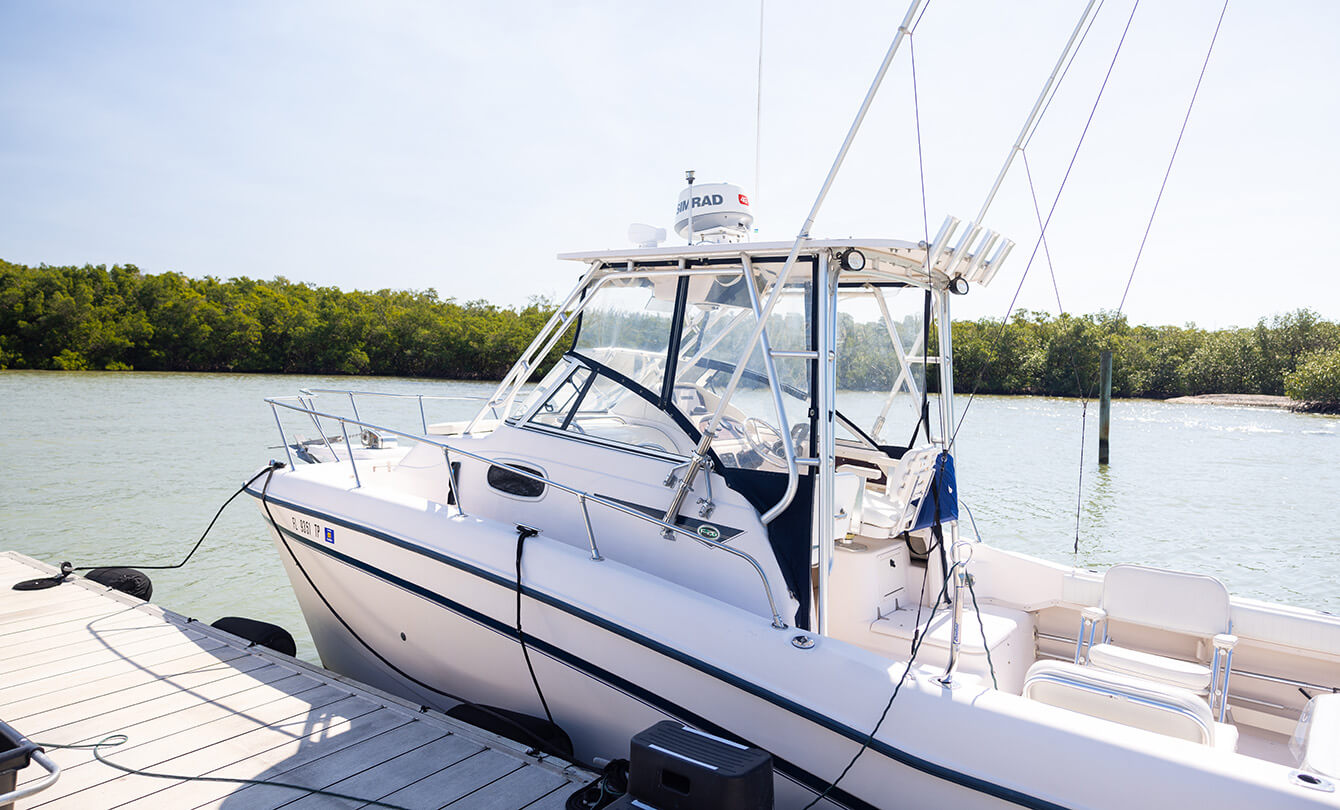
309	392
583	498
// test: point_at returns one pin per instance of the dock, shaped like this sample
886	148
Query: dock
80	662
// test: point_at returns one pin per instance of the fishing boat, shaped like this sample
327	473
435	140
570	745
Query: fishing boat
669	510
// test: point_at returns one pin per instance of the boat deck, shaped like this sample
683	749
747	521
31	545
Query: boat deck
80	662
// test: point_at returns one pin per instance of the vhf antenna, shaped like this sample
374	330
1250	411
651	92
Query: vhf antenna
688	175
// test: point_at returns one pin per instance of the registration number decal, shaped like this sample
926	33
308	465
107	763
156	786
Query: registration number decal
313	530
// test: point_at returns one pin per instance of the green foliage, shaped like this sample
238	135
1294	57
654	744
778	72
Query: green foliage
74	318
1317	378
1039	353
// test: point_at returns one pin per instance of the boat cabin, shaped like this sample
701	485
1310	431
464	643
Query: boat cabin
701	386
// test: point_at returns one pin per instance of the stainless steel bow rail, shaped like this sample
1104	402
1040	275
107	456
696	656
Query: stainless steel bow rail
583	498
353	403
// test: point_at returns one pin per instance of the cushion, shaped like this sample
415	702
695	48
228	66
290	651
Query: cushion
1129	701
1182	674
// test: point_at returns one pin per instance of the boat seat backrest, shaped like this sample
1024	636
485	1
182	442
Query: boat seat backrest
1129	701
908	483
1178	602
1191	605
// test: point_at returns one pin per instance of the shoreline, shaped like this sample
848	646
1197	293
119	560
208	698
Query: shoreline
1238	400
1259	401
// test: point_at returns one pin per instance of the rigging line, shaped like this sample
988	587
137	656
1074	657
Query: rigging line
917	21
1176	146
1059	191
758	109
1079	505
924	417
1164	184
523	532
1074	356
1046	246
541	745
912	657
114	740
921	162
981	625
916	641
1057	88
274	465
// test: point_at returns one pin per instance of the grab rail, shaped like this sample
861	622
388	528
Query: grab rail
582	497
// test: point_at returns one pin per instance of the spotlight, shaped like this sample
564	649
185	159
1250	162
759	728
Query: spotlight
852	259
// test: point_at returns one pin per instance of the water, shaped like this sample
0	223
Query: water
120	469
126	468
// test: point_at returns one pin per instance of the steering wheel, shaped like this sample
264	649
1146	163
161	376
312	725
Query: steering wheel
800	434
765	440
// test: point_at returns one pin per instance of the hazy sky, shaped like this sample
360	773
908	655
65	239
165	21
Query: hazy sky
461	145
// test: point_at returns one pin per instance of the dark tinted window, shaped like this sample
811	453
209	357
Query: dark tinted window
504	480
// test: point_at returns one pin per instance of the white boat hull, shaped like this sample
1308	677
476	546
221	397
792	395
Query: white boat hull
438	623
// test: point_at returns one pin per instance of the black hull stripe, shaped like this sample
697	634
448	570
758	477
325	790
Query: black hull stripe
896	754
590	670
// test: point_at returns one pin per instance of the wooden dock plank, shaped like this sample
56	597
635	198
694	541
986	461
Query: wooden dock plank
14	571
111	716
79	662
252	755
517	789
92	699
155	741
12	601
81	769
24	617
450	784
52	617
394	774
33	680
79	639
336	764
75	695
555	799
160	756
114	673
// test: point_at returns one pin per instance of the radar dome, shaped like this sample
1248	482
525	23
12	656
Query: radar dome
719	213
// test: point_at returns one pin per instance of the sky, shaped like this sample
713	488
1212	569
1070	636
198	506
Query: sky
460	146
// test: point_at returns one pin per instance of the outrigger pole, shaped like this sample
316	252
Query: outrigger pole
946	356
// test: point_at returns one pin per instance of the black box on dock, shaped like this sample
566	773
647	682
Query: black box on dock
673	767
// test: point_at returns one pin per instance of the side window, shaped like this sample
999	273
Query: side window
506	481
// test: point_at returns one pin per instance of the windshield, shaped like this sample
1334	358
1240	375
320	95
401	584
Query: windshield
654	355
718	320
625	326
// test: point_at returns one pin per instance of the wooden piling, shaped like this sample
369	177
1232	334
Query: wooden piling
1105	407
